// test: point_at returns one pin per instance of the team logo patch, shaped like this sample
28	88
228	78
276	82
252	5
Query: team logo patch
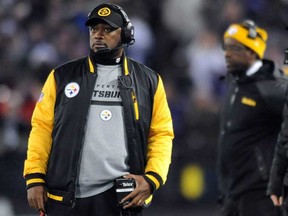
104	11
72	89
106	115
248	101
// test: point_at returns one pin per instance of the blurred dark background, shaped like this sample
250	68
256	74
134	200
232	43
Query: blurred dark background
181	40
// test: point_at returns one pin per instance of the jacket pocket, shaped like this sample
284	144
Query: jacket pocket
60	196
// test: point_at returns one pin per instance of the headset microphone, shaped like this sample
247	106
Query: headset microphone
103	50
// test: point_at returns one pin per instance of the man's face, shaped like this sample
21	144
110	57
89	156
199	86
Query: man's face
104	36
238	58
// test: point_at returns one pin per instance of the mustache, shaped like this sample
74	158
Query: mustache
99	43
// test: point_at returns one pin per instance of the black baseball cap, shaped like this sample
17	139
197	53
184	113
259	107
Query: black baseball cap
108	13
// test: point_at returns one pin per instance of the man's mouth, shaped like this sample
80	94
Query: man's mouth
97	45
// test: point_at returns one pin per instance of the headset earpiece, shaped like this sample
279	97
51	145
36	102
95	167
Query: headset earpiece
251	27
128	29
286	56
128	34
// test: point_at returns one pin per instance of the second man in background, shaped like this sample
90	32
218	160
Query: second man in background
251	117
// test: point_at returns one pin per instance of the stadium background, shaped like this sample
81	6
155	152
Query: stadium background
181	40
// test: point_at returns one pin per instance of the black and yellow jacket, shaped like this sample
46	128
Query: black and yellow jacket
58	125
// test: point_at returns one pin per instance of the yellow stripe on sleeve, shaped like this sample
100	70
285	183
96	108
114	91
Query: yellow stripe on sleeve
156	182
35	180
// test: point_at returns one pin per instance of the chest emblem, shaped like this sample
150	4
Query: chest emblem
106	115
72	89
248	101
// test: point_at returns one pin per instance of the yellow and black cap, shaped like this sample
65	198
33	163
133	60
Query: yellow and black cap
107	13
248	34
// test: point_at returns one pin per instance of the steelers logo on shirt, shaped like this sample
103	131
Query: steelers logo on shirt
72	89
106	115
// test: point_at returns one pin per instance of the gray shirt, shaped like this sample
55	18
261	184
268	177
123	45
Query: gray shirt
104	155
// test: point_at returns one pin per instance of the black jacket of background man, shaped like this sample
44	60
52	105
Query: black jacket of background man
251	117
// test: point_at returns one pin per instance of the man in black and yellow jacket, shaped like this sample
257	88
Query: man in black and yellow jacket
251	117
99	118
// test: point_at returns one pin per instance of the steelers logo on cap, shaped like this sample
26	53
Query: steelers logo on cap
106	115
72	89
104	11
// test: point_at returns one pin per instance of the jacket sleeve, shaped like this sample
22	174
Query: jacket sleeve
40	139
160	140
274	95
280	160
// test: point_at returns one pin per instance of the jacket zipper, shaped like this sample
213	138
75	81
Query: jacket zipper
79	159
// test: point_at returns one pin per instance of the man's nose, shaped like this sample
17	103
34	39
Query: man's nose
99	33
227	53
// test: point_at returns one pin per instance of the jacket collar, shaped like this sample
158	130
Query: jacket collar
92	65
254	68
266	71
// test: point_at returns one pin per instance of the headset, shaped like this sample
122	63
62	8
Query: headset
127	32
286	56
251	27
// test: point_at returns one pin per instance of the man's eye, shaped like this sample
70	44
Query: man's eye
233	48
93	30
108	29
